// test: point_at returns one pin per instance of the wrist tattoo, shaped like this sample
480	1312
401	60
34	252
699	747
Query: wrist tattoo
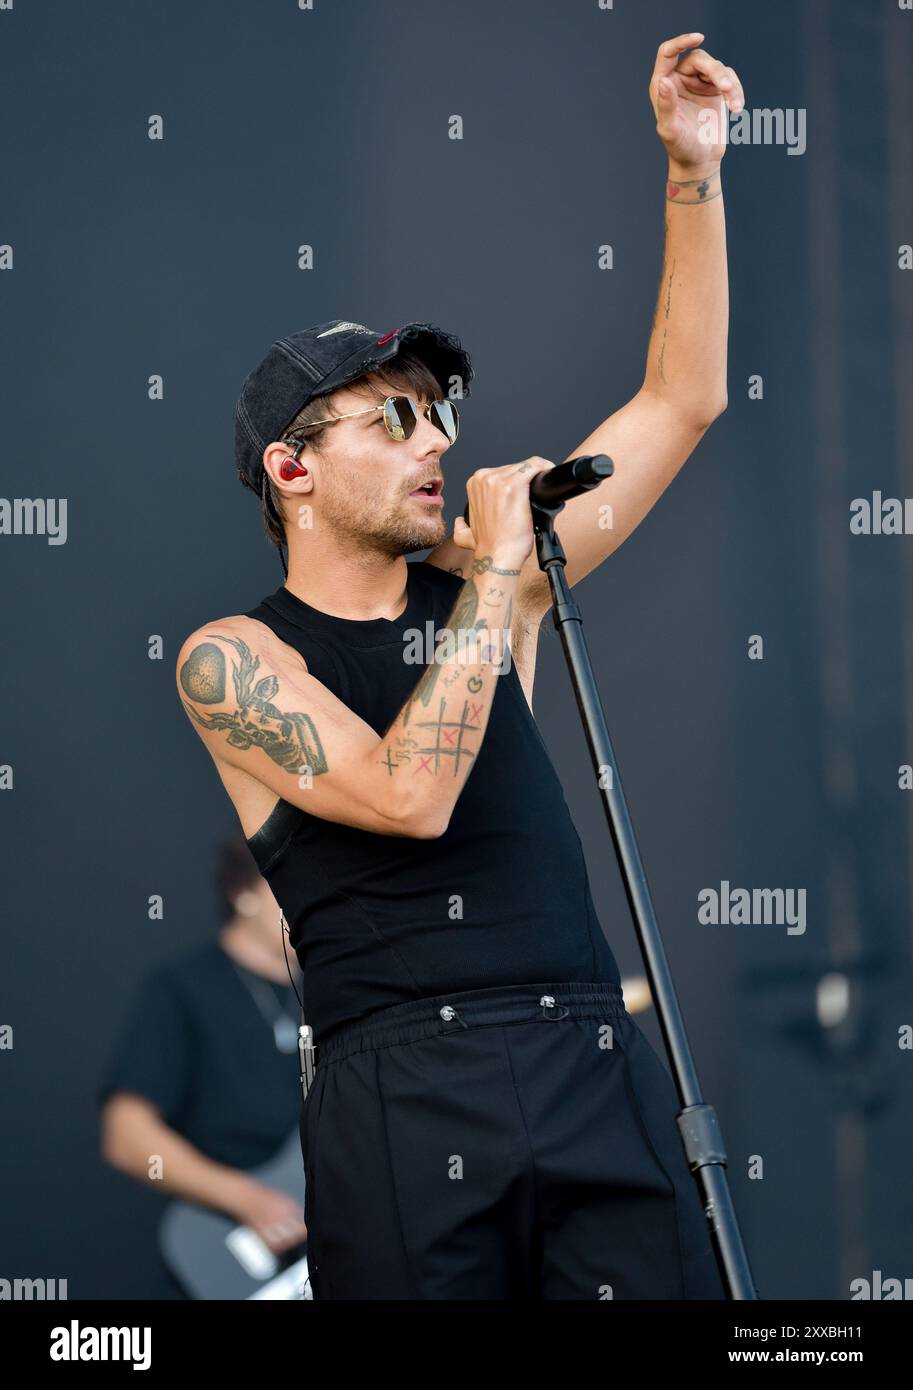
694	190
484	565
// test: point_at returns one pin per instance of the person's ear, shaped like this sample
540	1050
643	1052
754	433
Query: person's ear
283	463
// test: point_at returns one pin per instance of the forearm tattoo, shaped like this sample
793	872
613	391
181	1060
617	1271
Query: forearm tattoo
440	743
666	309
291	740
485	565
430	745
481	567
690	191
462	619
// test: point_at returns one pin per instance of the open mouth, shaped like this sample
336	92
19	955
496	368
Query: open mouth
430	491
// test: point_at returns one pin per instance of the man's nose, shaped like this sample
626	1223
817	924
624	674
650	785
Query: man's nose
429	438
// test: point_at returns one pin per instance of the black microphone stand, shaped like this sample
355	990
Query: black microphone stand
697	1121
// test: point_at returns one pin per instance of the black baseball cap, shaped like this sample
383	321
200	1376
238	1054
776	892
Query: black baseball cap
318	360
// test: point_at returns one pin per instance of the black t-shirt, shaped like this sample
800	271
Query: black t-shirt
196	1042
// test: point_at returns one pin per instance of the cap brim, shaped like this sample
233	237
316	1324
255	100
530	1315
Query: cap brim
442	352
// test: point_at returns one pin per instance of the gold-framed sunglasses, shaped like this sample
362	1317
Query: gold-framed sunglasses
401	417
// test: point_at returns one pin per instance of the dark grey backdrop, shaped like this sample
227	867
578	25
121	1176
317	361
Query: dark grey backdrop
178	257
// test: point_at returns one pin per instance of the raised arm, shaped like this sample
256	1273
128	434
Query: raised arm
651	435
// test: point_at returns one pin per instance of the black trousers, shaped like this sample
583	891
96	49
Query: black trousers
508	1143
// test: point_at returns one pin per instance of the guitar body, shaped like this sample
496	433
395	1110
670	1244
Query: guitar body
215	1258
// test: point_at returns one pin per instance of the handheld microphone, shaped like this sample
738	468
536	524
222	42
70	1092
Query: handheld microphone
553	487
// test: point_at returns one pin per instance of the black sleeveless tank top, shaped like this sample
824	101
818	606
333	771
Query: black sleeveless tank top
501	898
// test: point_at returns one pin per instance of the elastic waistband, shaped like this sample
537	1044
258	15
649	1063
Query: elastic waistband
473	1008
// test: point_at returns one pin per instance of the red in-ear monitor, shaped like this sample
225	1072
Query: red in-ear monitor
291	468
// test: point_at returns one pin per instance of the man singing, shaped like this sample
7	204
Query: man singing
486	1121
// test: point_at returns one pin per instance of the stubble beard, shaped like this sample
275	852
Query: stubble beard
376	522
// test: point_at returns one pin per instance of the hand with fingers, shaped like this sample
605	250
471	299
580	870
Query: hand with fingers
692	98
499	510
